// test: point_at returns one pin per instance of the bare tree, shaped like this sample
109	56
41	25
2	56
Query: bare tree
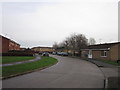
75	42
66	44
72	43
92	41
81	42
55	45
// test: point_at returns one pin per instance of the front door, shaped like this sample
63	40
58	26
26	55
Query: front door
90	54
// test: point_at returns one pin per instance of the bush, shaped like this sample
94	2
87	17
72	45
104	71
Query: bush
18	53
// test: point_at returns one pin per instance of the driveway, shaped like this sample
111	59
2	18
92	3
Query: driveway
67	73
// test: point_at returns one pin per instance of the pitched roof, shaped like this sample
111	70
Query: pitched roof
9	39
42	47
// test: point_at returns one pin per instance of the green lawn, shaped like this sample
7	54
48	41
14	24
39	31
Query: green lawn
111	62
10	59
22	68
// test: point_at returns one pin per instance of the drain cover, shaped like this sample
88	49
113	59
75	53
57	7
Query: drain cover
100	66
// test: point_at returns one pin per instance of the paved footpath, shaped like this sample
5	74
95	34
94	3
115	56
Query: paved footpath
22	62
67	73
108	69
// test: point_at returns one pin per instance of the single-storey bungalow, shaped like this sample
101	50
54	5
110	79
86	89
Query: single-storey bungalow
106	51
43	49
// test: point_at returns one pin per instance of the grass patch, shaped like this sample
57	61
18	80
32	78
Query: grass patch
111	62
11	59
22	68
105	61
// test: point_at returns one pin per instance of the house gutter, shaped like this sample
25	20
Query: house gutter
97	49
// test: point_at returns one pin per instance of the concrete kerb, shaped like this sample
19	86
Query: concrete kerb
19	74
106	83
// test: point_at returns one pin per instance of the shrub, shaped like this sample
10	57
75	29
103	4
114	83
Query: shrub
18	53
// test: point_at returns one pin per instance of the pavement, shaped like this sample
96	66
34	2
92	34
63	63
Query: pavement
37	57
101	64
110	72
67	73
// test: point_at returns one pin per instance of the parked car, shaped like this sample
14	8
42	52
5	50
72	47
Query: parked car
45	54
62	53
40	53
59	53
54	53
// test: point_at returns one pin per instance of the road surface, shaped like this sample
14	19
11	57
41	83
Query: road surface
67	73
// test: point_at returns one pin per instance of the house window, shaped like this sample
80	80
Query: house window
104	53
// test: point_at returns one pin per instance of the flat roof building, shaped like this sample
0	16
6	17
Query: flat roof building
106	51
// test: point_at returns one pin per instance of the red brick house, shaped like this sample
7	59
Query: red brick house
107	51
8	44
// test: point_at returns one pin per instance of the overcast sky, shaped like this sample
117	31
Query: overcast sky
45	22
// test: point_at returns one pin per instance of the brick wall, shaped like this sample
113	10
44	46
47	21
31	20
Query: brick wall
97	55
114	52
4	45
13	46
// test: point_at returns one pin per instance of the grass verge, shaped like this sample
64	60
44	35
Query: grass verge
111	62
105	61
11	59
14	70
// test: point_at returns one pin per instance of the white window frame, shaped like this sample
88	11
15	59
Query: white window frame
105	55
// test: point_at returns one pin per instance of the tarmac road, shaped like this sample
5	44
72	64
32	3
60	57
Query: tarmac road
67	73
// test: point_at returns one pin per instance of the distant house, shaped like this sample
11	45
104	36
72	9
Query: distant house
22	49
7	44
43	49
61	49
107	51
